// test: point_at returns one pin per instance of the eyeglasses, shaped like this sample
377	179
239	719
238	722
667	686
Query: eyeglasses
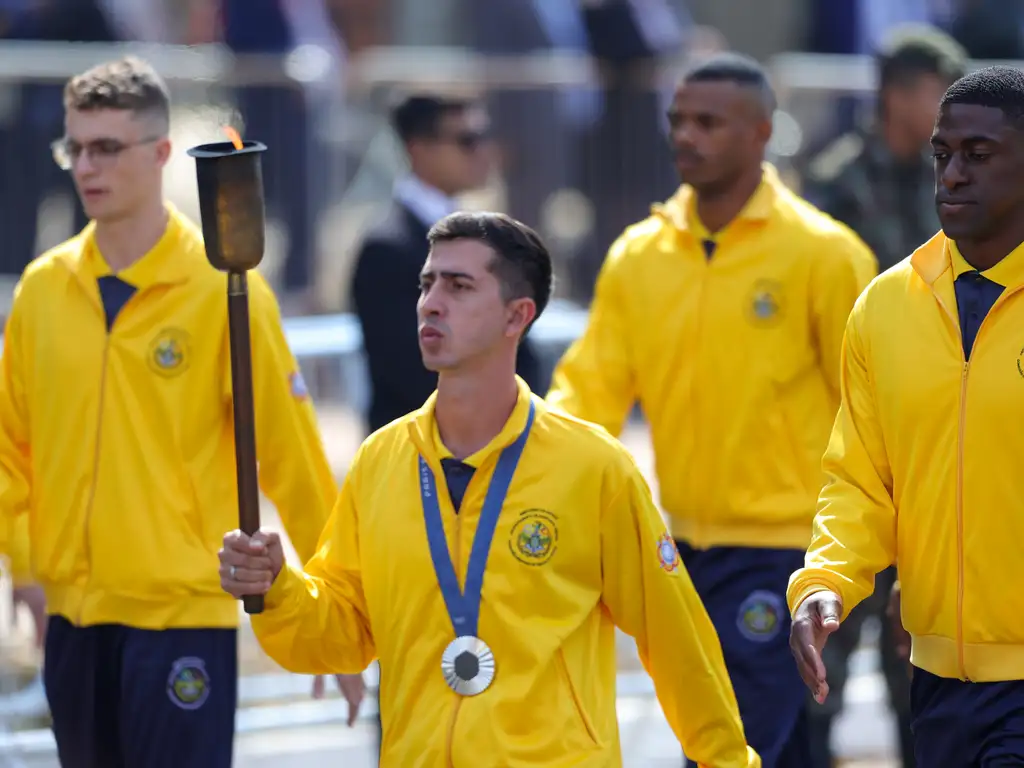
102	152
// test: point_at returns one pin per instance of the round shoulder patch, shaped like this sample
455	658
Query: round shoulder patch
668	555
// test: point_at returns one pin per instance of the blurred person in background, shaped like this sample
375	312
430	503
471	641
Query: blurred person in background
36	119
538	129
881	183
447	141
116	443
989	29
282	112
626	160
722	314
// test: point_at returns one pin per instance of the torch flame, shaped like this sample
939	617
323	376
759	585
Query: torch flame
233	135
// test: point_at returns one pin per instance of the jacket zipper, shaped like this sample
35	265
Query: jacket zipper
96	449
456	562
95	475
695	409
961	433
960	519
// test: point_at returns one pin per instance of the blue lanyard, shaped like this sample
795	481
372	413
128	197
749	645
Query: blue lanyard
464	607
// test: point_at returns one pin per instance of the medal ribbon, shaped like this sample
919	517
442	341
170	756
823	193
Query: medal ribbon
464	607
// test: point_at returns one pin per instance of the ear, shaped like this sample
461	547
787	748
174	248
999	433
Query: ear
163	151
764	130
521	313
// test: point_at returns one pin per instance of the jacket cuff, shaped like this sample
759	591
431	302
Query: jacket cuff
282	588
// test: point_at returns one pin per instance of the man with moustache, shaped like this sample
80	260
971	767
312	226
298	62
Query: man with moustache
722	314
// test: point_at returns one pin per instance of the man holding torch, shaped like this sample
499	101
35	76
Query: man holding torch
484	548
116	439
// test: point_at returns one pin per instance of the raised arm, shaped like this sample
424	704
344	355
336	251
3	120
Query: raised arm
315	620
293	468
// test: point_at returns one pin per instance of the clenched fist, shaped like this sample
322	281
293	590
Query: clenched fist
249	565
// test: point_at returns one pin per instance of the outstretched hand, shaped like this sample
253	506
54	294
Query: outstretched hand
815	619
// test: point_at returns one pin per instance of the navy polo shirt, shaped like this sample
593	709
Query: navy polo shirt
976	294
457	474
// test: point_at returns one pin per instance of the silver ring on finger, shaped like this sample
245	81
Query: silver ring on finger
231	572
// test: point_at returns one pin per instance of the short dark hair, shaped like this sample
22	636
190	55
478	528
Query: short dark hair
730	67
915	50
522	262
999	87
128	84
419	116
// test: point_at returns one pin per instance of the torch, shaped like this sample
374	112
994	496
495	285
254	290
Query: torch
231	208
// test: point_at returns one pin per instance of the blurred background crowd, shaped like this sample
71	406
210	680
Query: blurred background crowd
550	110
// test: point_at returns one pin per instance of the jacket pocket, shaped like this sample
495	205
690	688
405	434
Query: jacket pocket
577	703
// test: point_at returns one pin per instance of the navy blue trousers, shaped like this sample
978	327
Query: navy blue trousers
966	725
122	697
744	592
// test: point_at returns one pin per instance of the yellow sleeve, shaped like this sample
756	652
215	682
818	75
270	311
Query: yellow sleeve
649	595
854	535
315	621
838	278
18	555
595	380
294	470
15	467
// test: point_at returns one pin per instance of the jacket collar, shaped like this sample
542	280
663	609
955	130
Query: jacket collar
169	262
940	254
677	209
423	429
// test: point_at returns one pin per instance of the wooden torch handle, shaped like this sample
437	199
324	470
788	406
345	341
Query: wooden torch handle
244	415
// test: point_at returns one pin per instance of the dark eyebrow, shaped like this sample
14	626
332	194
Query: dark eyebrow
447	275
978	139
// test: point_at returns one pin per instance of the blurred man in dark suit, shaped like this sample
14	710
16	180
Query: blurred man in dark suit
448	146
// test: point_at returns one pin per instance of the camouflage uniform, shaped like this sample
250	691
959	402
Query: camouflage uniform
891	205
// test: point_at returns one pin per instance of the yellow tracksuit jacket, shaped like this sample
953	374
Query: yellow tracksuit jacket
924	467
733	359
548	610
119	445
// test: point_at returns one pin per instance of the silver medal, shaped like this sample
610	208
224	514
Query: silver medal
468	665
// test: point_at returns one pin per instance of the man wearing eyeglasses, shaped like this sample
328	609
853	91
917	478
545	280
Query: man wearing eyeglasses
116	441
